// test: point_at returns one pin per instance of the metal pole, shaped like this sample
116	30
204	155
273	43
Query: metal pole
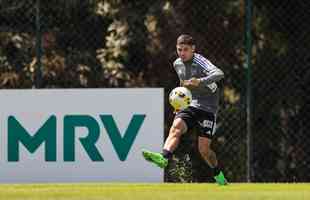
248	41
38	72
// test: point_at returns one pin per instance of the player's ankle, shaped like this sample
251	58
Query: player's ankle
167	154
216	171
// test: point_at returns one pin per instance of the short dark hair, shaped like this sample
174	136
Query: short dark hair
185	39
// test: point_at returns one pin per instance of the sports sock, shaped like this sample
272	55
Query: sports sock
167	154
216	171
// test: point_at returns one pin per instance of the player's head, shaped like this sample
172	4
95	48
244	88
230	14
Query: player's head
185	47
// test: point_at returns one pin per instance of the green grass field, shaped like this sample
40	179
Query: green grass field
156	191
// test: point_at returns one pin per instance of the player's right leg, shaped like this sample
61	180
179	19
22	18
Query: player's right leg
156	158
178	128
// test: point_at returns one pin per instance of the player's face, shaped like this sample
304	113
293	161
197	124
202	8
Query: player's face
185	52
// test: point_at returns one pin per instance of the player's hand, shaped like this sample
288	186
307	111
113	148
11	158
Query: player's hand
194	82
182	83
191	83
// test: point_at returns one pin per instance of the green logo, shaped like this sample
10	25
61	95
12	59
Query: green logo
47	134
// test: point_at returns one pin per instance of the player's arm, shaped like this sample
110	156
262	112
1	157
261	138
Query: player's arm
214	75
210	71
180	75
181	82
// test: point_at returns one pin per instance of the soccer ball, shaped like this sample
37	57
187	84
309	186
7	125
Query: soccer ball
180	98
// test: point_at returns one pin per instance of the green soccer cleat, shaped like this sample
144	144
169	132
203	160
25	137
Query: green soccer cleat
220	179
155	158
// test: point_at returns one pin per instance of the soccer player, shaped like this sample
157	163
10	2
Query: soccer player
200	76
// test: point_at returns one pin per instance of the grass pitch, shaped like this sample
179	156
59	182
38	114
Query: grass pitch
165	191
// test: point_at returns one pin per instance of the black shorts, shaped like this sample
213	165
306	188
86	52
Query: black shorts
203	120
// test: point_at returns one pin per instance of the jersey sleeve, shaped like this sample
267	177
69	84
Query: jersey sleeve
211	72
179	71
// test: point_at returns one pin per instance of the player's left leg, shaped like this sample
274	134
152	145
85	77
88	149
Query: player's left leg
204	145
207	126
